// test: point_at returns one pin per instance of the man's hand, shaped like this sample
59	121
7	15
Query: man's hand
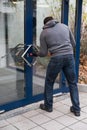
35	51
34	54
49	54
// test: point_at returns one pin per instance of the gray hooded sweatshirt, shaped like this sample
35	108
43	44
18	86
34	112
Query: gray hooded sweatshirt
57	39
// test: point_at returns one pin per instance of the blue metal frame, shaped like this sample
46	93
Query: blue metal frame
28	41
77	32
64	11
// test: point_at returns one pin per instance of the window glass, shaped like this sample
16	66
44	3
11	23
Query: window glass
11	46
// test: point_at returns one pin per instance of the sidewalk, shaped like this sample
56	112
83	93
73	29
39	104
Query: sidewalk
32	118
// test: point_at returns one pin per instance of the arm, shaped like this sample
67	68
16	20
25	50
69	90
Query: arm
43	46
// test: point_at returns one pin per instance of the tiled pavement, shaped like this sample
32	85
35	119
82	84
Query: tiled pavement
32	118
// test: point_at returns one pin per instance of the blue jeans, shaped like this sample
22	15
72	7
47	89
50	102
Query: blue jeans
65	63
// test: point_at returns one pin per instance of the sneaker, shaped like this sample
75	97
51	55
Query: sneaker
43	107
76	113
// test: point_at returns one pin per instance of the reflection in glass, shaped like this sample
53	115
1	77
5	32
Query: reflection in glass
11	47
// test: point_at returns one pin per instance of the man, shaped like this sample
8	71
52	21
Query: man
57	39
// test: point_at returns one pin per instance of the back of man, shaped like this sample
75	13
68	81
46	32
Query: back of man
57	38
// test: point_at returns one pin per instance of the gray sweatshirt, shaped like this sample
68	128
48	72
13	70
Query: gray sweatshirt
57	39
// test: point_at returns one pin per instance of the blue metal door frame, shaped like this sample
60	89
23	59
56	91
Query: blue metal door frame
29	39
78	18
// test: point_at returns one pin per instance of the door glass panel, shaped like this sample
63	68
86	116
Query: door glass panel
11	48
42	9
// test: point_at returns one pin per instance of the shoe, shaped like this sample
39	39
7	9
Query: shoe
43	107
76	113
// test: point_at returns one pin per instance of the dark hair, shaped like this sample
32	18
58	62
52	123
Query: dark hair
48	19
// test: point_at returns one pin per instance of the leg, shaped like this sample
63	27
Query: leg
69	71
52	71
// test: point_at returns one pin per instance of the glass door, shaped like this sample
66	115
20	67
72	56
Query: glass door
12	44
42	9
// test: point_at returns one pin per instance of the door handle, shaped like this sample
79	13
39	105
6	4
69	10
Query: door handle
23	56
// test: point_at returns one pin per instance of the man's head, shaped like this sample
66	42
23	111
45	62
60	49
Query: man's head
47	19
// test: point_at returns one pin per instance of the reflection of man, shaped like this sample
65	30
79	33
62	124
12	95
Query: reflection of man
59	41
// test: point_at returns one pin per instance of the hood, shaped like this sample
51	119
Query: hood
50	24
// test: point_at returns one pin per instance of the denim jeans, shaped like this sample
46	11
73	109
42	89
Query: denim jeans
65	63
